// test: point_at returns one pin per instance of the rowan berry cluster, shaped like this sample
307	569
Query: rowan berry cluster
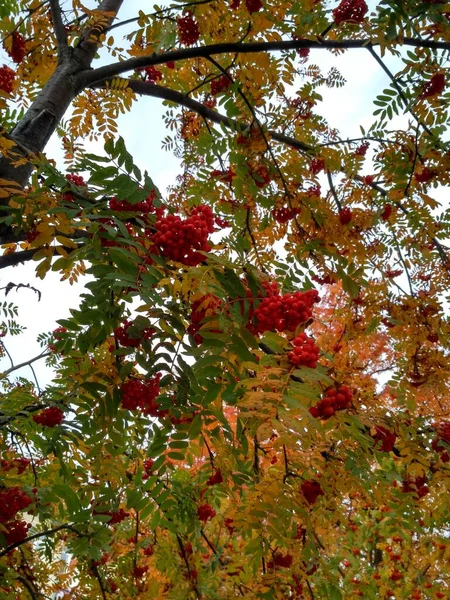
16	49
435	86
345	216
220	84
387	212
141	395
253	5
425	175
75	180
205	512
188	32
285	313
316	165
311	490
152	74
416	485
384	438
20	464
181	240
49	417
284	214
7	76
261	176
16	531
334	399
361	150
12	500
280	560
350	11
215	478
305	352
57	337
129	336
439	444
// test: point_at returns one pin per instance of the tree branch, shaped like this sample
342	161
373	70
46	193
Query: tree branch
60	31
112	70
25	364
35	536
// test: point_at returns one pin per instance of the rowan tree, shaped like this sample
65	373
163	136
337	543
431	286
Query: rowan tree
251	399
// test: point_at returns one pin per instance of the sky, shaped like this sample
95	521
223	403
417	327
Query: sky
143	130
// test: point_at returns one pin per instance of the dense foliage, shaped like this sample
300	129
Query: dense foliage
251	399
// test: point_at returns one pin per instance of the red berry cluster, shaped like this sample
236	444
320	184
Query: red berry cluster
311	490
438	445
253	5
7	76
435	86
152	74
350	11
139	572
12	500
206	306
144	207
305	352
261	176
425	175
19	464
362	149
345	216
141	395
224	176
16	531
181	240
285	313
205	512
220	84
75	180
417	485
215	478
280	560
49	417
117	516
148	466
16	49
131	339
188	32
384	438
387	212
284	214
334	399
57	337
316	165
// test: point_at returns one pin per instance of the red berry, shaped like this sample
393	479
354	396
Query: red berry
14	45
350	11
311	490
345	216
220	84
317	165
205	512
133	338
152	74
141	396
253	5
435	86
7	76
387	212
49	417
386	437
188	32
215	478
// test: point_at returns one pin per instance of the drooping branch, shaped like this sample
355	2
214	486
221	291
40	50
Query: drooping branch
44	533
118	68
59	29
157	91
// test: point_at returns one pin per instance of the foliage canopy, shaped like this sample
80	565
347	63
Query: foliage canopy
251	399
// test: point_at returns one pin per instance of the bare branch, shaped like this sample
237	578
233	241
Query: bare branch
25	364
60	31
99	75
